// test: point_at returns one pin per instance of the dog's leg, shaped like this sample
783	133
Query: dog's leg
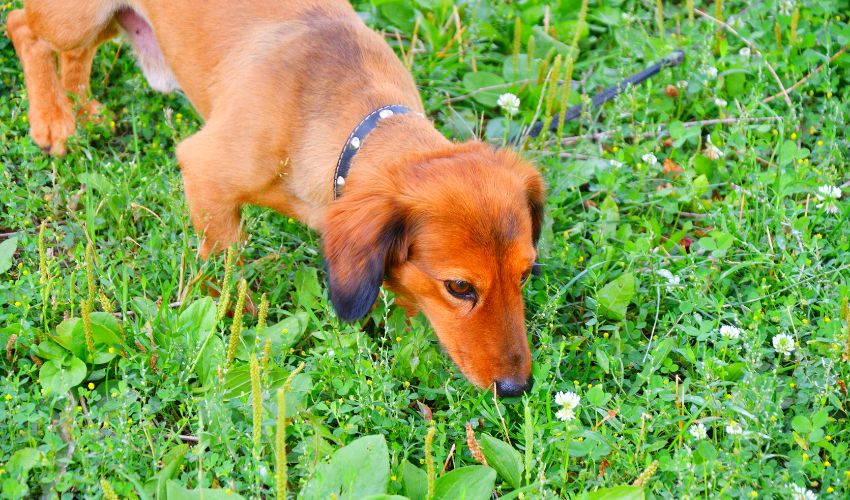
50	115
212	197
75	66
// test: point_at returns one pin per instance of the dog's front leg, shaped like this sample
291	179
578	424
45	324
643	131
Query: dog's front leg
213	190
50	116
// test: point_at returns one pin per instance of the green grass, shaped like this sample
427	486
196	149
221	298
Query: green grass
744	238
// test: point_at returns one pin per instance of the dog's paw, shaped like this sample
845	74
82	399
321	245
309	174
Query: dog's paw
50	126
90	112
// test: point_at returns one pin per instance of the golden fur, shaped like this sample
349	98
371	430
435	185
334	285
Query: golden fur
280	85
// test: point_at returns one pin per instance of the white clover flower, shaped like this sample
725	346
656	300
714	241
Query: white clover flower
734	429
698	431
568	401
800	493
730	332
828	196
744	52
711	72
682	84
826	191
509	102
629	18
829	207
670	277
711	151
784	344
649	159
721	103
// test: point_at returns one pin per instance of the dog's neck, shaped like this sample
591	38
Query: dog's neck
393	146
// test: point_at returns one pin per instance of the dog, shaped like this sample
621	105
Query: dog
308	112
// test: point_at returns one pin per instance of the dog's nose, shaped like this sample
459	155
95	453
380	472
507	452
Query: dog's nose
508	387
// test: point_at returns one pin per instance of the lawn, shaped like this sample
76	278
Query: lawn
690	328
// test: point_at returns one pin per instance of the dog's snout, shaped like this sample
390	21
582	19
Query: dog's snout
510	387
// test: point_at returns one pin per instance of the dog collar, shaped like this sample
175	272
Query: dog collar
355	142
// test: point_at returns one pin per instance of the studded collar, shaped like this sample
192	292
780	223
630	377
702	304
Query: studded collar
355	141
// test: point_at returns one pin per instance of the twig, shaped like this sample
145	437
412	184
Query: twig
501	418
125	314
691	215
448	458
485	89
596	136
813	73
756	51
654	323
188	439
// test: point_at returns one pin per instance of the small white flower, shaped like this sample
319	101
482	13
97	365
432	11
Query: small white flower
721	103
564	414
711	72
734	429
828	195
568	401
649	159
744	52
629	18
800	493
826	191
509	102
670	277
711	151
682	84
698	431
784	344
787	6
730	332
615	163
829	207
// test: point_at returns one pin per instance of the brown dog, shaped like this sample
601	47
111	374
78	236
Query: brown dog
281	85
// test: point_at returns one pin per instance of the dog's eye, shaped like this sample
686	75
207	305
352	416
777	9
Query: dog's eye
460	289
524	278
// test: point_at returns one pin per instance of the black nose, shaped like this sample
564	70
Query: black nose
509	387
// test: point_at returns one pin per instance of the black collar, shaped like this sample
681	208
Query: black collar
355	142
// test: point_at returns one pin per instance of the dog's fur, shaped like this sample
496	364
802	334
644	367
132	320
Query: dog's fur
280	85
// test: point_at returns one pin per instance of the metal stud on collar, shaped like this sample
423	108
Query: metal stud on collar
355	142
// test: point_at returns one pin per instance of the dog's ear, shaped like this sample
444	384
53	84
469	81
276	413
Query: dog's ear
363	234
535	190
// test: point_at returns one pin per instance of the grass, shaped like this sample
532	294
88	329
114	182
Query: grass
653	243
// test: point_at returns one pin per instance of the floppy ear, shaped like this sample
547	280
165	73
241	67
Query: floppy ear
536	192
535	188
363	234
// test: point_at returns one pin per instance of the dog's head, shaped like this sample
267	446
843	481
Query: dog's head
454	235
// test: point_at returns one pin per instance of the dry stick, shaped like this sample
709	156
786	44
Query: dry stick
813	73
459	34
485	89
501	418
408	61
450	457
596	136
756	51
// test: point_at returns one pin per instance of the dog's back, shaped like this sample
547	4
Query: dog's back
207	43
